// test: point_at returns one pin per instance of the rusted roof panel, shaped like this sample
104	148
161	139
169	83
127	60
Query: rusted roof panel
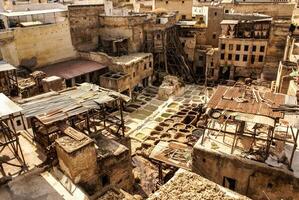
72	68
225	98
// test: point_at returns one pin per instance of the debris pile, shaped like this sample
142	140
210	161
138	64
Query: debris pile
186	185
171	86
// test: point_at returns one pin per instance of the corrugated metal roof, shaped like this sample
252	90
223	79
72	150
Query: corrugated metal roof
72	68
58	106
8	106
225	97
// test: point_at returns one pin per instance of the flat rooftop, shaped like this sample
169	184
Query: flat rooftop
131	58
32	12
72	68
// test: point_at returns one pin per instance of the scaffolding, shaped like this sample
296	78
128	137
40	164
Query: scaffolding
12	160
168	53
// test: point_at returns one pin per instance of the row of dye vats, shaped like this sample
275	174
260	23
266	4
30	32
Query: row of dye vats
179	126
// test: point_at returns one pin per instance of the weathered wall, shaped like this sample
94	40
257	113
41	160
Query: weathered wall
184	7
118	169
131	27
275	10
138	70
212	63
80	165
116	82
215	16
276	47
253	179
38	46
255	58
84	24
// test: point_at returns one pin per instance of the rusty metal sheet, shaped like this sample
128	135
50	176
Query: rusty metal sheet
72	68
223	99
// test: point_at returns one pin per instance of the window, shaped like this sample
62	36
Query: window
222	56
158	36
261	58
238	47
222	46
229	183
150	64
237	57
214	36
212	64
230	46
18	122
105	180
252	59
166	2
245	58
253	48
183	1
215	13
183	17
134	74
226	11
144	66
246	48
230	56
262	48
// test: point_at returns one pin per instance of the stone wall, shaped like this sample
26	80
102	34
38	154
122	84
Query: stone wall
184	7
275	10
253	179
276	48
84	24
130	27
215	16
39	45
118	170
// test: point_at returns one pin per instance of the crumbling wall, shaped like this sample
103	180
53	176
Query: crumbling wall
171	86
253	179
117	27
215	16
84	24
276	46
80	164
118	169
39	45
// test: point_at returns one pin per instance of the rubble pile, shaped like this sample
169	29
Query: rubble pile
171	86
186	185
